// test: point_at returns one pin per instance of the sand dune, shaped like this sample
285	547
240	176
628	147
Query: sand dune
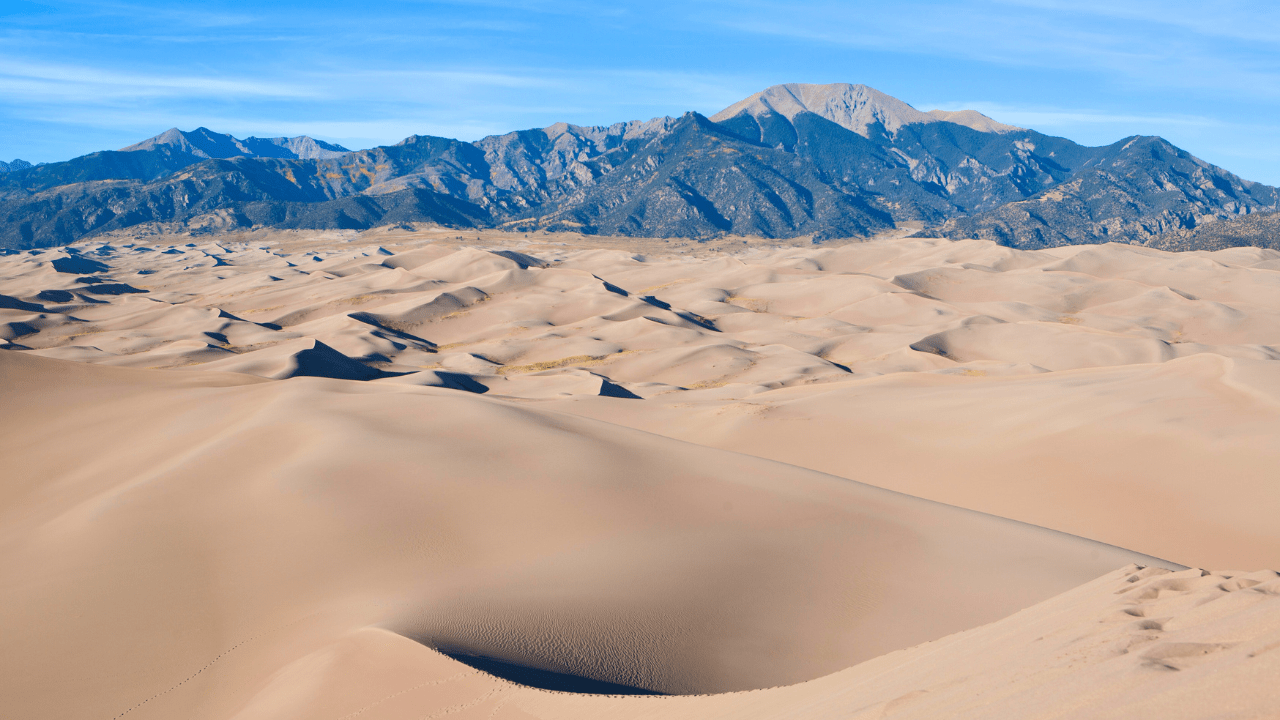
266	476
273	517
1172	459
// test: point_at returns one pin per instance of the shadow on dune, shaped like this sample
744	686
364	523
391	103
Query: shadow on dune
320	360
460	381
546	679
79	266
608	389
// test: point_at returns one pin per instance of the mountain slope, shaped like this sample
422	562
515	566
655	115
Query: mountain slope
1133	191
106	165
543	165
1259	229
239	192
698	179
923	171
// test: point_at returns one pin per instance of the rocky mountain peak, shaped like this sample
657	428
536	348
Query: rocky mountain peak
17	164
854	107
973	119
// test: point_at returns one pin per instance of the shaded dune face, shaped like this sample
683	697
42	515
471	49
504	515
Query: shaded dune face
532	677
294	512
1138	642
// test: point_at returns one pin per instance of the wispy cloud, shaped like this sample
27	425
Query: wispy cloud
369	105
81	84
1154	44
1251	21
186	15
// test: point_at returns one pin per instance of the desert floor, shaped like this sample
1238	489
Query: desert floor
413	473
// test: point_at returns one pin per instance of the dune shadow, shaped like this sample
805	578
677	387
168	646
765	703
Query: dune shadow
76	265
546	679
461	381
613	390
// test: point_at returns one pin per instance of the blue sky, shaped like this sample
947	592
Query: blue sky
82	76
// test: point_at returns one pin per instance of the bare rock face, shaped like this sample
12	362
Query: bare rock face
853	107
301	147
1137	190
563	157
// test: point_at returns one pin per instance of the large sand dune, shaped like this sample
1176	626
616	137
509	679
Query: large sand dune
1176	459
196	512
282	469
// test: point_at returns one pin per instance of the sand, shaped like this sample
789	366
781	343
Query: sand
307	475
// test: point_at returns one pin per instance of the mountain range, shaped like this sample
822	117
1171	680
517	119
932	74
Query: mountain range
822	161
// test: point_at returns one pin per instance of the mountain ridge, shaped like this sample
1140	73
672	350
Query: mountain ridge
205	143
821	161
